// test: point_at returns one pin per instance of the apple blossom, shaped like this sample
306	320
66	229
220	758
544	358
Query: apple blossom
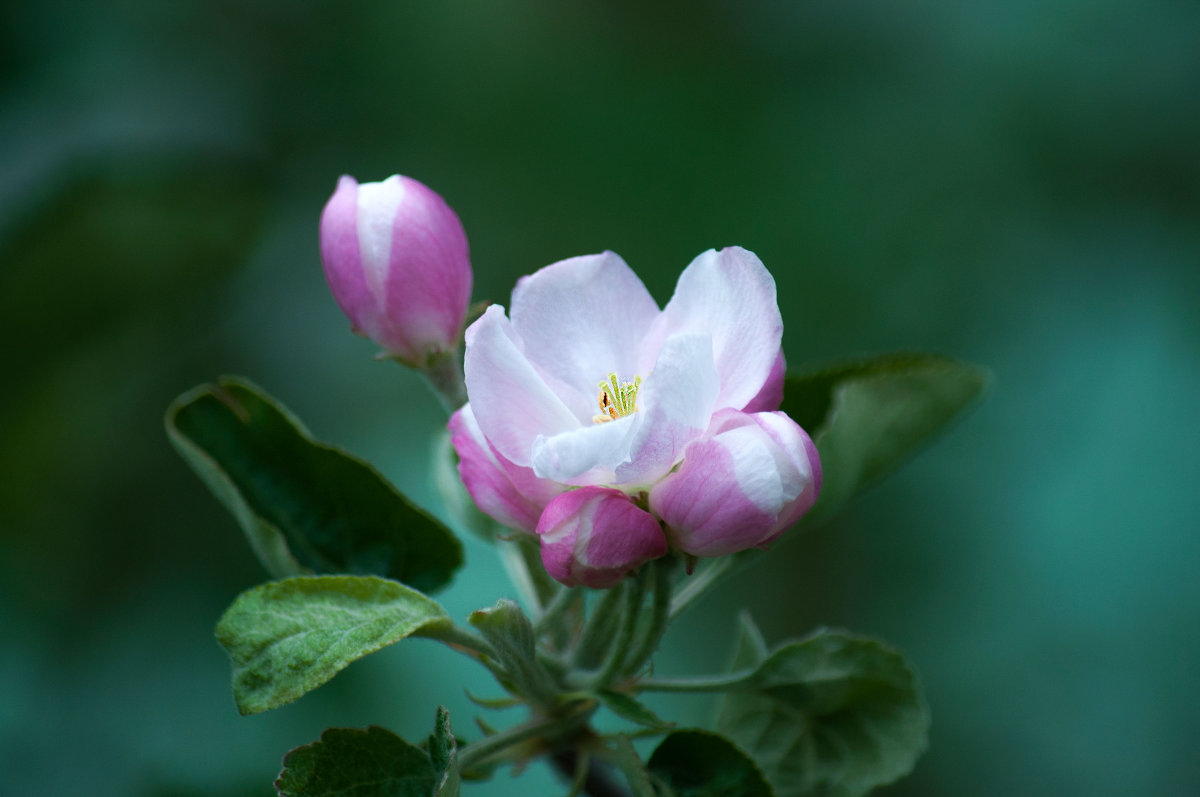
590	385
395	257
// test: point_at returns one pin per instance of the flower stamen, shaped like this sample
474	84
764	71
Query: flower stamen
617	399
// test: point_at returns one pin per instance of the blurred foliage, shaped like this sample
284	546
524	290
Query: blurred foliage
1015	184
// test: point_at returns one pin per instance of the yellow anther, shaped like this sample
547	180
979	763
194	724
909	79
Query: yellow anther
617	399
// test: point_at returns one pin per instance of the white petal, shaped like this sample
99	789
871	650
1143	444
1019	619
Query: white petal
730	295
755	467
509	397
791	455
586	455
676	401
580	320
376	219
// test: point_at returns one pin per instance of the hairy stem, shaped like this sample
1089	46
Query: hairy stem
714	683
489	746
635	591
460	638
558	606
599	781
657	625
444	373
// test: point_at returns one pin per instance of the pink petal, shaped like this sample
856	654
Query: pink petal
508	493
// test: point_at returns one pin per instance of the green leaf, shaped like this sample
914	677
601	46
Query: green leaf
750	649
867	416
442	752
494	703
833	715
348	762
701	764
631	708
629	763
286	638
511	636
305	506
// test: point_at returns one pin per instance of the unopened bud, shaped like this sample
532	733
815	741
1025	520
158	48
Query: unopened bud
395	257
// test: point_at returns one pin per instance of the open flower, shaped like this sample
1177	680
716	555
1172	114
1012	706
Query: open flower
590	384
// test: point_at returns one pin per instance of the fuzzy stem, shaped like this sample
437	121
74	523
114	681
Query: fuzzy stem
444	373
460	638
657	626
717	683
635	591
496	743
552	612
598	782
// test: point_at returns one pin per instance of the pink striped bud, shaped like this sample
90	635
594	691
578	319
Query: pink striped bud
595	536
395	257
739	487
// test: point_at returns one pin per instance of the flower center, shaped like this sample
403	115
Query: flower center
617	399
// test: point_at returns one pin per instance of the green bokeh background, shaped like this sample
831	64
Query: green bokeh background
1015	183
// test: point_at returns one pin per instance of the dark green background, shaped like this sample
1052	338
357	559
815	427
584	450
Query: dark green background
1014	183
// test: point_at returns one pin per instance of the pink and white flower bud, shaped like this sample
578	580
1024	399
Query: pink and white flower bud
740	486
395	257
509	494
595	536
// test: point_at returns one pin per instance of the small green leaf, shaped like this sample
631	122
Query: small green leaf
305	506
442	752
511	635
701	764
750	649
348	762
833	715
867	416
631	709
632	767
286	638
494	703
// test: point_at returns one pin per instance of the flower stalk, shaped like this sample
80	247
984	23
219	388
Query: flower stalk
444	374
634	590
